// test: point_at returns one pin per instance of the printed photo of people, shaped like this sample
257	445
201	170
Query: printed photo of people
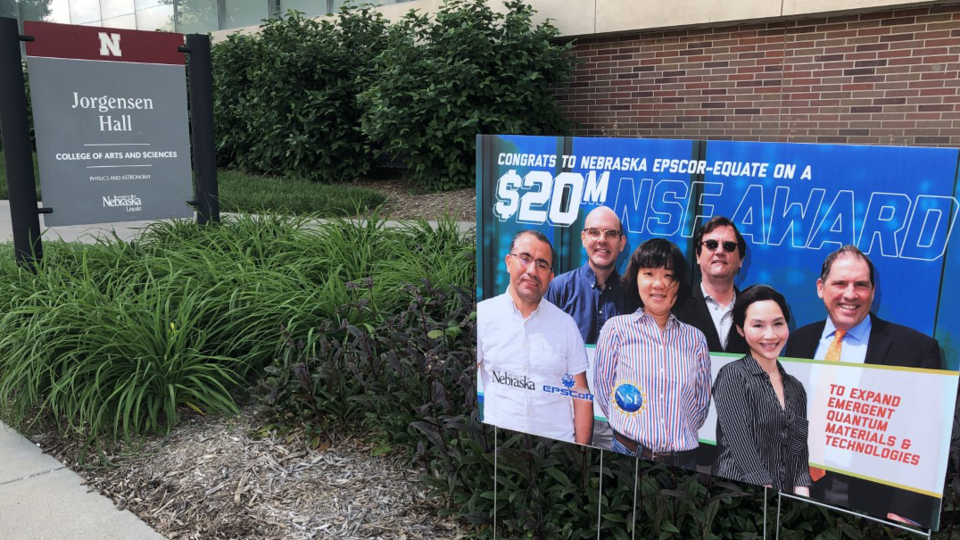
726	328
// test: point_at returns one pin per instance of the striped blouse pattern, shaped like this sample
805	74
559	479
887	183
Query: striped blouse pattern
758	441
670	368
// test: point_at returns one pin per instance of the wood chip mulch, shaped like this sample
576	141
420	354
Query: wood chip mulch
404	202
224	478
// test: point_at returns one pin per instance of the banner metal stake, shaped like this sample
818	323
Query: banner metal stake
764	512
495	452
600	495
636	474
779	500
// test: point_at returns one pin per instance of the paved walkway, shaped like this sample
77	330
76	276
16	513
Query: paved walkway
41	499
127	230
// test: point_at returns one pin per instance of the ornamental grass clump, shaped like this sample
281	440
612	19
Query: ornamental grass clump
116	339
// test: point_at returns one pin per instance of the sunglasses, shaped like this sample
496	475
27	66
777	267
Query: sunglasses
729	247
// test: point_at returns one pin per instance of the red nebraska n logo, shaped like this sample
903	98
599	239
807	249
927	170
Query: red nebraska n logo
109	44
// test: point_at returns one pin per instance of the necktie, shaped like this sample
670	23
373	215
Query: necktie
833	352
833	355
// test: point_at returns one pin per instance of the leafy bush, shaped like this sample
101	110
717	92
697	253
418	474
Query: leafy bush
112	340
467	71
285	99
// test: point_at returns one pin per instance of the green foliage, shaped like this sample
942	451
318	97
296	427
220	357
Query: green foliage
321	101
467	71
241	192
285	99
112	340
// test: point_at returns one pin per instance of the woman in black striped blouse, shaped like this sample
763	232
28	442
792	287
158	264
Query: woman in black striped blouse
762	410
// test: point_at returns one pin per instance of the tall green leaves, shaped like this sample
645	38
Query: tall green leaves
114	340
467	71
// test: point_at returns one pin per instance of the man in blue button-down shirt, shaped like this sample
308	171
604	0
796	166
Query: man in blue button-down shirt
592	294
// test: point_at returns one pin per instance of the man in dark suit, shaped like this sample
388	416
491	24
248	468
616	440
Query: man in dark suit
720	250
852	334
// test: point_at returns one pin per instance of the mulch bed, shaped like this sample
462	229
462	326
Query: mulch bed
228	478
404	202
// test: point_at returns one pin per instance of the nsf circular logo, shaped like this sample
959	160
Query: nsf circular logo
629	398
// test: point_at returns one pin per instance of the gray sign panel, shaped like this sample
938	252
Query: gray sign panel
112	140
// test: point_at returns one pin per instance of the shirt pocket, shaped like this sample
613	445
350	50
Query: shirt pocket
548	354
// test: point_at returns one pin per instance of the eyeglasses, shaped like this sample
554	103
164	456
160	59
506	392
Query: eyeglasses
525	259
609	234
729	247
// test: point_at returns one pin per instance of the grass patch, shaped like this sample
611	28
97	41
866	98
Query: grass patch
248	193
242	192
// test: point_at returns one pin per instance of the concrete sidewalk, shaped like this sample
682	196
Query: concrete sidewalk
40	499
127	230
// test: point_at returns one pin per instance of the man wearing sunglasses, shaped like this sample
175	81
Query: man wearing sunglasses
720	250
529	350
592	294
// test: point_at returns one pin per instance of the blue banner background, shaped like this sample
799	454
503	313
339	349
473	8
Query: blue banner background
898	204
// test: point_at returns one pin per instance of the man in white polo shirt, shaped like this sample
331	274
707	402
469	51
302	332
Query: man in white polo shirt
530	354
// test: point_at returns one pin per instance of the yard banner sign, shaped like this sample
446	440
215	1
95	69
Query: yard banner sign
864	422
110	114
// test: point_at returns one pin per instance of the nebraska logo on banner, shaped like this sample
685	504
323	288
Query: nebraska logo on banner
776	314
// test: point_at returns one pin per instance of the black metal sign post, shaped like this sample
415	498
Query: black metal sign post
16	147
201	126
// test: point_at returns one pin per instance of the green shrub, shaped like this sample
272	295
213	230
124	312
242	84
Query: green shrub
112	340
285	99
111	358
467	71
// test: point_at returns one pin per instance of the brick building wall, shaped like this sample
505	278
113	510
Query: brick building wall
888	77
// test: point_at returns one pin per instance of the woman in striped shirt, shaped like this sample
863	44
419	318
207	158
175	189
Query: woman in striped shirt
762	410
651	371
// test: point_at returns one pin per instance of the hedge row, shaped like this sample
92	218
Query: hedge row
325	101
